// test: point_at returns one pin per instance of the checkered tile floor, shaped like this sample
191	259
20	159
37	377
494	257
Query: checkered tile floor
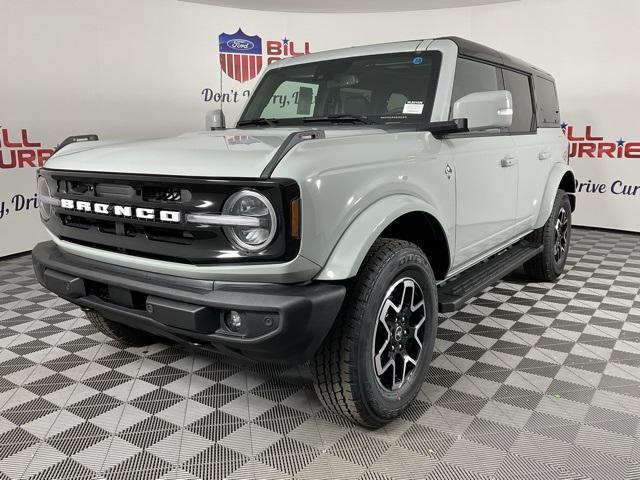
528	381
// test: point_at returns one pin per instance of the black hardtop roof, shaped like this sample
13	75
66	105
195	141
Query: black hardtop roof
469	49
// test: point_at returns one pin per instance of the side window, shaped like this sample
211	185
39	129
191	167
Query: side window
520	88
473	77
548	110
291	99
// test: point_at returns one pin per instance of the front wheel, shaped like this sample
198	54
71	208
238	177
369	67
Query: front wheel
555	237
374	361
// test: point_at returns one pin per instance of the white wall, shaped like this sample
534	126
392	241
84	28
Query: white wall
126	69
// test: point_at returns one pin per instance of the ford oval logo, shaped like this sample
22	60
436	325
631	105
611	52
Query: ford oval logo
240	44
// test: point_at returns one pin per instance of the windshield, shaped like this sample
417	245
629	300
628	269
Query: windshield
378	89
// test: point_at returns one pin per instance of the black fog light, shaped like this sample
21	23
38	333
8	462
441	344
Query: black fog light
233	320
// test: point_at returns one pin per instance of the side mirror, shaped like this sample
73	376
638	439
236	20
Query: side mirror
485	110
214	120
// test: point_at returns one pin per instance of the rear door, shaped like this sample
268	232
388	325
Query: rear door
534	156
486	172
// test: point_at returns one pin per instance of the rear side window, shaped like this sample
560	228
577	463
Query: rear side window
520	87
547	100
473	77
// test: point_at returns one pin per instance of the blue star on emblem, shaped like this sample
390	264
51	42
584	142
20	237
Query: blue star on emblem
621	142
563	126
285	40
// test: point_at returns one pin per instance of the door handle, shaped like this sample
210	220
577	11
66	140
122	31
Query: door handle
508	161
544	156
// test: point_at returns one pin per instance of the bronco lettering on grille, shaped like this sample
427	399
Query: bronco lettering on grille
140	213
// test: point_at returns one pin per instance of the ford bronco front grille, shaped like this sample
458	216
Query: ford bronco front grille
145	215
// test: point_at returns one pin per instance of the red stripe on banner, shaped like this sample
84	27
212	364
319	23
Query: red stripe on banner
236	68
223	62
230	65
245	68
241	67
252	66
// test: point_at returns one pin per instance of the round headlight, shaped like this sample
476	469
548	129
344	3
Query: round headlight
258	234
44	191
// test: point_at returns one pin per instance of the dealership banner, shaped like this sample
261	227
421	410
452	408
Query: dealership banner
607	169
21	154
222	69
152	68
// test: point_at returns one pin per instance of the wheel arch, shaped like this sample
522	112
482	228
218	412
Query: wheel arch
560	177
401	217
426	232
568	184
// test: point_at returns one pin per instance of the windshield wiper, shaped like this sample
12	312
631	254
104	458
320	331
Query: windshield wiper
271	122
340	117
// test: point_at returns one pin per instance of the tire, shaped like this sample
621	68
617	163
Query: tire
555	237
122	333
346	368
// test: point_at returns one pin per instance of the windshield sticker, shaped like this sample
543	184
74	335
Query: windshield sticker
413	107
305	100
417	60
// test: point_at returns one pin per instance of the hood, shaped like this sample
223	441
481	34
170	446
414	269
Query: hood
223	153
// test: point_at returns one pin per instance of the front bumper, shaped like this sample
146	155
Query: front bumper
285	323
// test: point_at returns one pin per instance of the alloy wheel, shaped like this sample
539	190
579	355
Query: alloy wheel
561	233
399	328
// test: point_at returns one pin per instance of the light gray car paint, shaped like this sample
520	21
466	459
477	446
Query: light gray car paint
199	154
299	269
353	183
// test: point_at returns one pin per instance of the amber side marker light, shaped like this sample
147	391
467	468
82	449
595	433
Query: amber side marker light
295	218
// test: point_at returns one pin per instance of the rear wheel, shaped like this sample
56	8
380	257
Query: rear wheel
555	237
122	333
373	363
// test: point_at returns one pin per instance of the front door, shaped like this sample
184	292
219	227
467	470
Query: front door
486	173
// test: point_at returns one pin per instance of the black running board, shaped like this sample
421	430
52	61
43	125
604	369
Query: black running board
453	294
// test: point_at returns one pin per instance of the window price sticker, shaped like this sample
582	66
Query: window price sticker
413	107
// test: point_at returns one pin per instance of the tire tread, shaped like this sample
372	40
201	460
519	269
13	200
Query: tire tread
334	371
541	267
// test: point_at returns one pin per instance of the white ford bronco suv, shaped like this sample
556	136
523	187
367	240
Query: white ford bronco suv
362	191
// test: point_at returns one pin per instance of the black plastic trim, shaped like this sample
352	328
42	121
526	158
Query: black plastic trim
477	51
177	242
454	293
291	141
191	311
91	137
448	127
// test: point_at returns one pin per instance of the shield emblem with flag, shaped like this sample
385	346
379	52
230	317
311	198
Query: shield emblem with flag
240	55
